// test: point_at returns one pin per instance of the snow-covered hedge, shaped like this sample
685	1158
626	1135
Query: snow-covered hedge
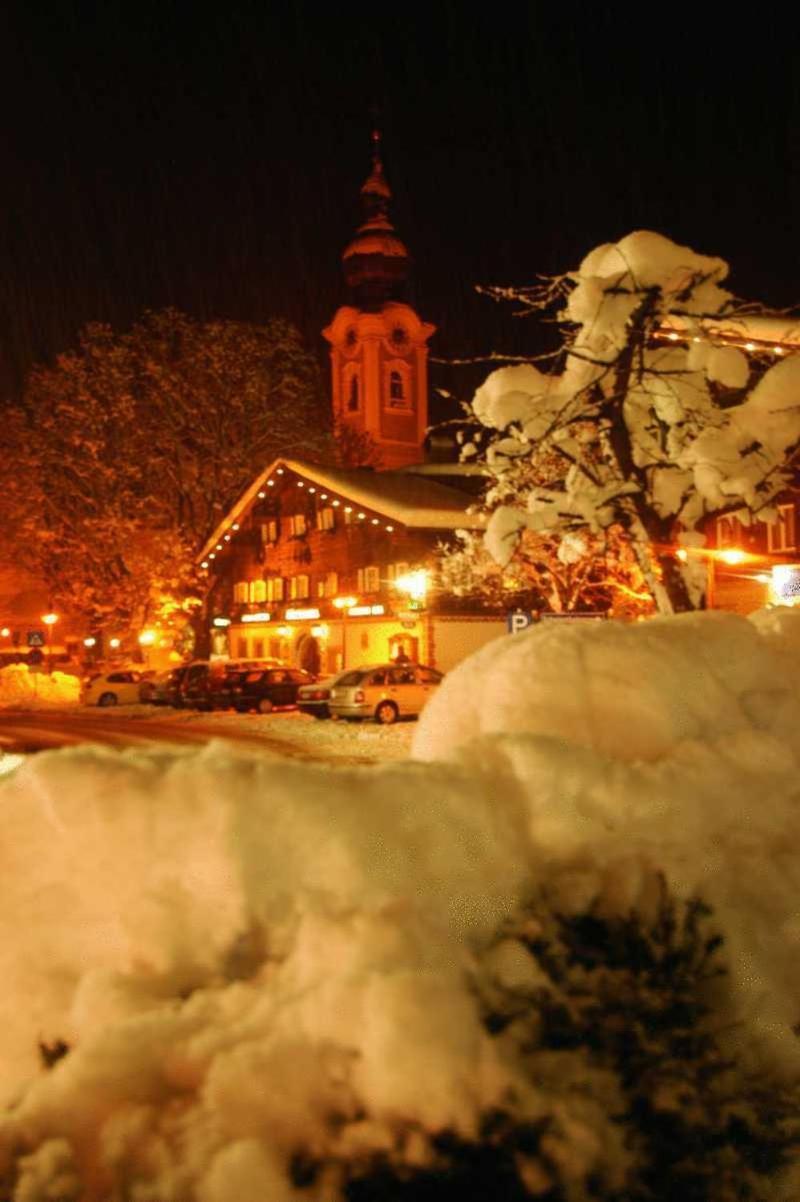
259	980
21	687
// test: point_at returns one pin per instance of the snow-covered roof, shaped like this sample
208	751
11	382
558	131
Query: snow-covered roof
402	497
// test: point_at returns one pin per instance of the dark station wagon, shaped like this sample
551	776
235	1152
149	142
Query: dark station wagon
263	690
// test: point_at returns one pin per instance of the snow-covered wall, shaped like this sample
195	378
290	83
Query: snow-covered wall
454	639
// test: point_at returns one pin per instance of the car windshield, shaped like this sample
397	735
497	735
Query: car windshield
351	678
235	677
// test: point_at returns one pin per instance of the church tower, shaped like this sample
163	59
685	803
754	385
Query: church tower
379	351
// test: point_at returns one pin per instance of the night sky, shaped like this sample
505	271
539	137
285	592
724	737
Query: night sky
154	155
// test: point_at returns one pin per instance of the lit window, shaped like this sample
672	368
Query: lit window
298	588
369	580
728	531
297	524
241	591
258	590
781	534
326	518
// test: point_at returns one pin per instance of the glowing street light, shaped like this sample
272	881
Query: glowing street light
415	586
343	604
732	556
50	621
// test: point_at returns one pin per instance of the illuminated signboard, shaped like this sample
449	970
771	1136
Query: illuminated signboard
300	615
256	617
785	584
366	611
221	622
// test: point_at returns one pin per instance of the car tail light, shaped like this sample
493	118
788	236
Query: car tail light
358	695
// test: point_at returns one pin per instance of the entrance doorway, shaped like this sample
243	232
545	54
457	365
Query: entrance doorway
404	646
308	654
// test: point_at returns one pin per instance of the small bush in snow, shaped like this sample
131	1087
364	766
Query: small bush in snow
625	1093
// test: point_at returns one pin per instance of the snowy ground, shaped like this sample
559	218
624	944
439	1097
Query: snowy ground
301	732
260	966
364	741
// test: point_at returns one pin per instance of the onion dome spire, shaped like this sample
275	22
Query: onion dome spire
376	262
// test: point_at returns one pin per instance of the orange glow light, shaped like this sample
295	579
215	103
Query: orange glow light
732	556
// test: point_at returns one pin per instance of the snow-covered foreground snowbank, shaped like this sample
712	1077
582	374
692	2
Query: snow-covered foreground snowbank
22	688
261	967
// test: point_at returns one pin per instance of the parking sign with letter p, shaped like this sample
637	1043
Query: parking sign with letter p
518	620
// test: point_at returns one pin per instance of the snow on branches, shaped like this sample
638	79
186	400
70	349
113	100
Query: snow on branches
638	432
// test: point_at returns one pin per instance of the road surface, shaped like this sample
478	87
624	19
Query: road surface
26	731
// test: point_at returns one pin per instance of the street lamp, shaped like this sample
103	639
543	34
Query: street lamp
415	586
343	604
50	621
146	640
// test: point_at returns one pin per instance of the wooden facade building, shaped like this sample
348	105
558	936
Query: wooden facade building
324	567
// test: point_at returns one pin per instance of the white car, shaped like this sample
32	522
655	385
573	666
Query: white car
314	698
384	692
112	688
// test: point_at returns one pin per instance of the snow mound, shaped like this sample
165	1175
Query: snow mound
255	961
20	687
632	691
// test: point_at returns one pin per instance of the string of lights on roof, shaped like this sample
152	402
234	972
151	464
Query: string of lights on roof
335	502
726	337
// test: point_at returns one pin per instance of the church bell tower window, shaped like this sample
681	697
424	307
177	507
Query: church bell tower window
352	396
396	393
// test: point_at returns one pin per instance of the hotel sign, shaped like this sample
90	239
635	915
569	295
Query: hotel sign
785	585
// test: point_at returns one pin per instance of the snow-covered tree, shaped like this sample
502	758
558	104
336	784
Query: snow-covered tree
137	444
638	432
547	572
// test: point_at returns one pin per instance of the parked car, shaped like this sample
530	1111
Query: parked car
384	692
275	688
153	687
203	685
313	698
172	688
198	683
112	688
